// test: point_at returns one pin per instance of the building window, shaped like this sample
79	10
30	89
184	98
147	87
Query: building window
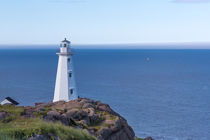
70	74
71	91
64	45
69	59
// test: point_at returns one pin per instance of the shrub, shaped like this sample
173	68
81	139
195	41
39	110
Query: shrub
25	128
16	127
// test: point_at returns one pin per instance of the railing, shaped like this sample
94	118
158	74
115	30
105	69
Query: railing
65	50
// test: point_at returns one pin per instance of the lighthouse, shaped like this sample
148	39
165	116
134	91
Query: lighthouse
65	87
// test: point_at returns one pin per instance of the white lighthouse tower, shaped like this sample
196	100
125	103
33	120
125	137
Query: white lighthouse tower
65	88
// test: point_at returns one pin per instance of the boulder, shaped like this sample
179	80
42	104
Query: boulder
38	137
3	115
42	137
55	116
76	114
97	118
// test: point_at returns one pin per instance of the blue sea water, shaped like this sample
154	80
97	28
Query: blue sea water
162	93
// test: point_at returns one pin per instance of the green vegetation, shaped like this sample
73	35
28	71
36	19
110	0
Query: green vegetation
13	110
104	114
41	114
100	123
51	121
25	128
138	139
16	127
4	137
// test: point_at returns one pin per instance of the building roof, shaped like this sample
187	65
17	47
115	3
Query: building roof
12	101
66	41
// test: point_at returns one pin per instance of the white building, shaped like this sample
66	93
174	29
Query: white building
65	88
8	100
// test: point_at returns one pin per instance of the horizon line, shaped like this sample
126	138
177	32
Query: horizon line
142	43
159	45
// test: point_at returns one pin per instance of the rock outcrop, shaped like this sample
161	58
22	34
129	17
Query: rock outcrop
96	118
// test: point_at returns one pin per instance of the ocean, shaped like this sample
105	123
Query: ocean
161	93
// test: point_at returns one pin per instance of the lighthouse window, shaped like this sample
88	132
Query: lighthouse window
69	59
64	45
70	74
71	91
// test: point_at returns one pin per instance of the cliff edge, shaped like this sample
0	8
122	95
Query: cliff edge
83	119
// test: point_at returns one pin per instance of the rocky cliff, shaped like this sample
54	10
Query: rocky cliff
78	119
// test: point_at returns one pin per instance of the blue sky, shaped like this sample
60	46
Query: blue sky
104	21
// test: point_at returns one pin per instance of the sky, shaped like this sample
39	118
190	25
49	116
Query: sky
104	21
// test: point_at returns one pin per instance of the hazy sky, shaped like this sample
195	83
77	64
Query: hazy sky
104	21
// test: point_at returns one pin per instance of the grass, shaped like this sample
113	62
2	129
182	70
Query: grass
138	139
16	127
101	119
100	123
4	137
25	128
13	110
103	114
